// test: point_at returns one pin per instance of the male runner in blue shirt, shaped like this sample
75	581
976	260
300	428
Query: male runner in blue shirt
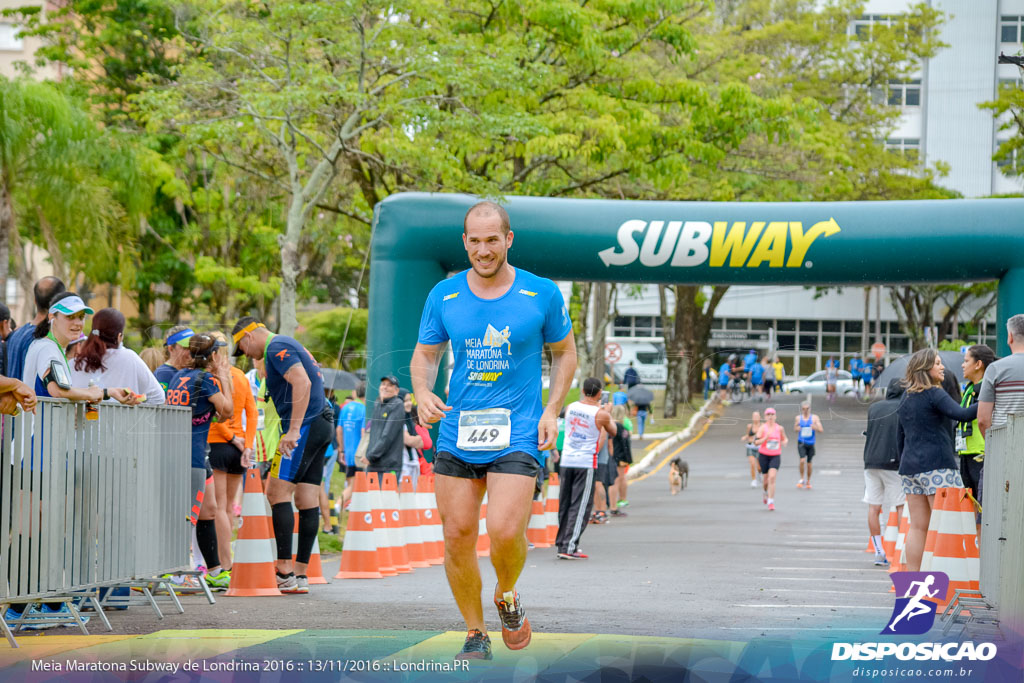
498	320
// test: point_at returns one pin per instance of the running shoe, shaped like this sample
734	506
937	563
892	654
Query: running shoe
573	556
477	646
619	513
287	584
771	506
880	560
753	483
515	627
800	484
808	486
301	584
623	504
219	581
764	497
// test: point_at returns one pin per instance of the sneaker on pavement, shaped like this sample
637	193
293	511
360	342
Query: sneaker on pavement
477	646
619	513
623	504
771	506
573	556
764	497
515	627
219	581
880	560
287	584
800	484
301	584
753	483
808	486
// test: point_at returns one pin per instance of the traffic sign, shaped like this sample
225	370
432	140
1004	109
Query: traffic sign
878	350
612	352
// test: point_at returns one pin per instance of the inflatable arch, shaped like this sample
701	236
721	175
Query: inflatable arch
417	242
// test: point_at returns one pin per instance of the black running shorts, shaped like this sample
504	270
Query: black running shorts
514	463
806	450
224	457
768	462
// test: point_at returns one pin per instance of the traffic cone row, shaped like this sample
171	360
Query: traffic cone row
955	546
253	569
315	571
390	532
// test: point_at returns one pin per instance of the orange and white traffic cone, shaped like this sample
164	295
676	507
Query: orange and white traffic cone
315	570
483	541
901	544
537	530
359	552
956	550
396	538
892	529
941	500
253	573
411	525
551	507
431	520
381	537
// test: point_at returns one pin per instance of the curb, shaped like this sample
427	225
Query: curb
650	461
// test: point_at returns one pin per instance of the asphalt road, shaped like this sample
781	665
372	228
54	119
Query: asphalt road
712	562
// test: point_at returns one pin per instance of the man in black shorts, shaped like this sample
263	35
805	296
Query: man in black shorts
498	320
297	389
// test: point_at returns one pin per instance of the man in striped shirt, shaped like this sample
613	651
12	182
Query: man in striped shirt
1002	390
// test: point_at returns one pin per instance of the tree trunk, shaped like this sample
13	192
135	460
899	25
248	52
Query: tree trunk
6	227
288	321
584	361
691	329
600	308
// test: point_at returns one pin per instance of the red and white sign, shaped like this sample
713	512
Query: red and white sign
612	352
878	350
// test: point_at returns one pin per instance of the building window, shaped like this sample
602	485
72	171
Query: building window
906	147
623	326
905	93
864	26
9	38
1009	28
1008	164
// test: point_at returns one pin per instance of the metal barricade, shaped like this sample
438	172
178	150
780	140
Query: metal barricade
86	503
1002	522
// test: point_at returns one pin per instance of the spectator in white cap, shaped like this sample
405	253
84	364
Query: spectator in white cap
46	365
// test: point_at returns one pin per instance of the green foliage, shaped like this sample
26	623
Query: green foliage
322	334
955	345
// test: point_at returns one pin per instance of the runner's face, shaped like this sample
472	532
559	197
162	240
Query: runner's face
972	368
250	347
937	370
67	327
486	244
387	390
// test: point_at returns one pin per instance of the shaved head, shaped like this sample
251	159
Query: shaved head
486	210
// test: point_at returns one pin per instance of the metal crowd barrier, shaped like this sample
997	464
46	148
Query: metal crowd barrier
1002	523
90	503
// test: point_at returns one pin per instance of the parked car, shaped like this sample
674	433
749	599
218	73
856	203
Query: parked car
815	384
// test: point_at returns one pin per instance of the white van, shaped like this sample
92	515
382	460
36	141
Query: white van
648	359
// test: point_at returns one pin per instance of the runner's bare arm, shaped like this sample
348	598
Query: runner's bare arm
423	369
817	425
985	416
605	422
785	439
563	367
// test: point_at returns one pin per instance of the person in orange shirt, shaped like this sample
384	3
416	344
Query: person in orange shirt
231	453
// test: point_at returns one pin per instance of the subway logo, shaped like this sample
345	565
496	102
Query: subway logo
779	244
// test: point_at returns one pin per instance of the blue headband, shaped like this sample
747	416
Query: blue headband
179	337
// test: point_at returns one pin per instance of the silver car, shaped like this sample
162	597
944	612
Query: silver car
815	384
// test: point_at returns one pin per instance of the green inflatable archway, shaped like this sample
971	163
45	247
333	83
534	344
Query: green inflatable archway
417	242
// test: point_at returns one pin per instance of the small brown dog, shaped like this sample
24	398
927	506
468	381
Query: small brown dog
678	475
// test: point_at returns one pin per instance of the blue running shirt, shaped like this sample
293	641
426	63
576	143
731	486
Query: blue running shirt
497	345
185	390
352	420
281	354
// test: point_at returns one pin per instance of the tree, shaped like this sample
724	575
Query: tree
66	185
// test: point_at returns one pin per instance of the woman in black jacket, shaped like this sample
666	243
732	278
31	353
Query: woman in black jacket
926	444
